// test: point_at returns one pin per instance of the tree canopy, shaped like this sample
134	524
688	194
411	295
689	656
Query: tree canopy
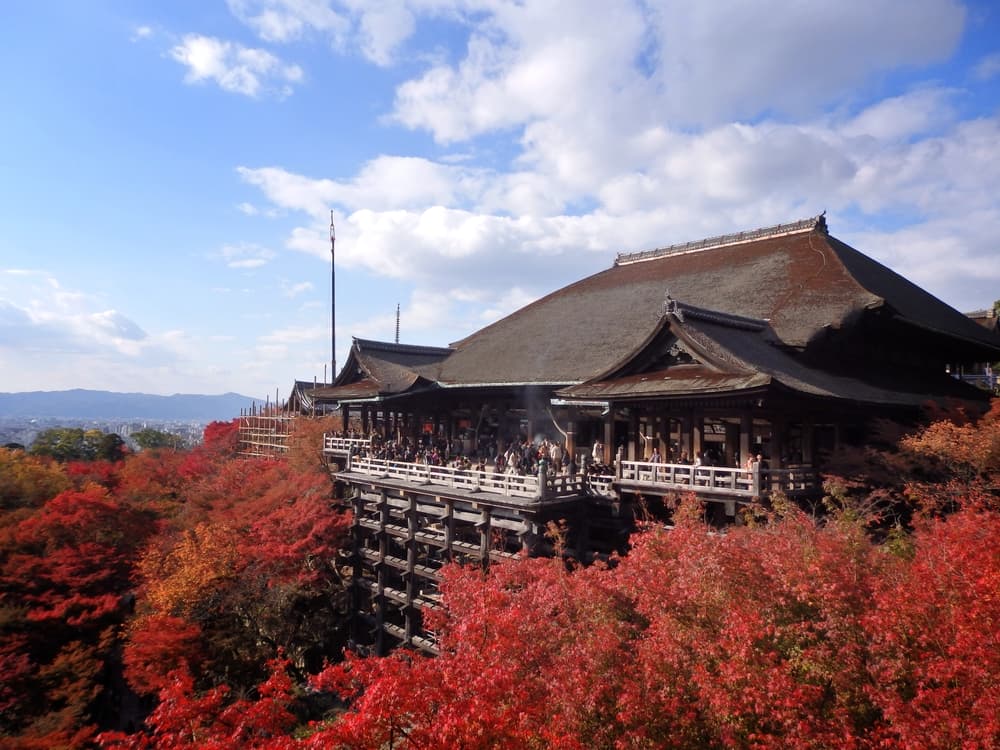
191	599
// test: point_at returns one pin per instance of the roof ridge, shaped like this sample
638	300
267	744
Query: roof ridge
721	318
725	240
387	346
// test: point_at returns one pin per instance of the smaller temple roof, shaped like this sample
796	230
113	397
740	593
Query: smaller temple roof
379	368
732	354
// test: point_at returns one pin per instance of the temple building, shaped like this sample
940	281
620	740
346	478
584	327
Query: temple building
729	367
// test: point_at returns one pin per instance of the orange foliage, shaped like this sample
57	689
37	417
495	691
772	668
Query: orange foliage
28	481
202	559
965	449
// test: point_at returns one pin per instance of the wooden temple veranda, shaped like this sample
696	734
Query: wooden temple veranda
670	372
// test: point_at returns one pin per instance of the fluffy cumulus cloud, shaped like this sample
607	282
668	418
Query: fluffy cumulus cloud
76	340
376	28
631	125
241	70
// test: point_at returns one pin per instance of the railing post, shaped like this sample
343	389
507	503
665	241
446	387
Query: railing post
618	463
542	489
755	479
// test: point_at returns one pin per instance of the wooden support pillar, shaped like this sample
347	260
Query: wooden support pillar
410	613
634	442
661	432
449	531
778	428
365	411
345	417
358	539
380	573
746	436
732	444
572	415
808	433
697	436
609	434
484	538
685	445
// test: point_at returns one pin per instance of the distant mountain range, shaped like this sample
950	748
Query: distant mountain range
84	404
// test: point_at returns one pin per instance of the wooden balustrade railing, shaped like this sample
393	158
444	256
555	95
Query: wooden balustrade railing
344	446
547	486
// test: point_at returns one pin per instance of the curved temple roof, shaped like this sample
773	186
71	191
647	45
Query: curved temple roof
794	280
795	276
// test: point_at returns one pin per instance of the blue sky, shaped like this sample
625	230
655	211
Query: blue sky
167	169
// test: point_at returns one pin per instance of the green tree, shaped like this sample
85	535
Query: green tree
68	444
149	438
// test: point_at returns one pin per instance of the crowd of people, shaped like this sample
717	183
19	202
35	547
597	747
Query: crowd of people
522	455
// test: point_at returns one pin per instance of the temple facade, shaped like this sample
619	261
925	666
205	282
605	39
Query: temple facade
729	367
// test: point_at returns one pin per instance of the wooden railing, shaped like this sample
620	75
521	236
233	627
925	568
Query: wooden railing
684	476
715	479
544	486
541	486
344	446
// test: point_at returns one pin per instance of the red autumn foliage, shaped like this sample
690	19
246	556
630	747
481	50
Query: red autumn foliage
789	633
184	720
158	646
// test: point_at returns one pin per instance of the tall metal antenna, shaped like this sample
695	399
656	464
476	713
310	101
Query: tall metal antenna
333	300
397	322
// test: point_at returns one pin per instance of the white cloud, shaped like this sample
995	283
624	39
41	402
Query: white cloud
235	68
635	126
287	20
246	255
43	317
383	26
684	186
902	117
386	182
141	32
989	67
294	290
247	208
376	28
689	63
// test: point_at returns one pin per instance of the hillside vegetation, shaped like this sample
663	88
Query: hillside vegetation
187	599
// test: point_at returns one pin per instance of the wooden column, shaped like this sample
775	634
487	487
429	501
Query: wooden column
572	415
685	446
746	436
358	537
449	531
697	435
609	434
410	613
380	573
365	410
634	442
808	429
778	427
732	444
484	538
